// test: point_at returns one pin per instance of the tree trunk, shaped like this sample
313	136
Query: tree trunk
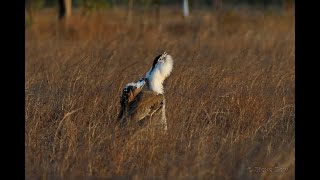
65	7
158	12
185	8
216	4
130	7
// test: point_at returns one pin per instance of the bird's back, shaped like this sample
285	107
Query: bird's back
144	105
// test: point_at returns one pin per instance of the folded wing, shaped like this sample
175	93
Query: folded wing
142	107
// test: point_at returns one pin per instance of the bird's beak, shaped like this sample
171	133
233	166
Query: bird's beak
163	57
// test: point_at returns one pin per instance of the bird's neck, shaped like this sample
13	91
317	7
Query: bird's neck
158	73
155	82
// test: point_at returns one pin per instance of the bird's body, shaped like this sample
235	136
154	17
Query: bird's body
144	102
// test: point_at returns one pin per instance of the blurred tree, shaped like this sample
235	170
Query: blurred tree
30	7
146	3
155	8
130	7
185	6
65	7
94	5
157	4
216	4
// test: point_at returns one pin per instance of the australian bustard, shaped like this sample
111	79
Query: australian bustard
144	101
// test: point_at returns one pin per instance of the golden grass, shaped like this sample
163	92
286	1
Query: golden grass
230	98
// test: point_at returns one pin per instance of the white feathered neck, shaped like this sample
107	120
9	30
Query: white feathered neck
159	72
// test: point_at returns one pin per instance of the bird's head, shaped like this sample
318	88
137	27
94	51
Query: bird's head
159	59
163	63
160	70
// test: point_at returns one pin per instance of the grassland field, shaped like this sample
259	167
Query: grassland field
230	98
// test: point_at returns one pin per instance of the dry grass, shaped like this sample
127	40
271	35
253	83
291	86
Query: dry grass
230	98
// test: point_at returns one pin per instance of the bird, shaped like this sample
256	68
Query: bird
143	102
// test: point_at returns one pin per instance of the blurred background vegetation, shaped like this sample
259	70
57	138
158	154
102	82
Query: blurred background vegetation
108	3
88	6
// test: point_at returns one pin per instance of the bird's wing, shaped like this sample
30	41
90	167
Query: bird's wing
145	104
135	92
